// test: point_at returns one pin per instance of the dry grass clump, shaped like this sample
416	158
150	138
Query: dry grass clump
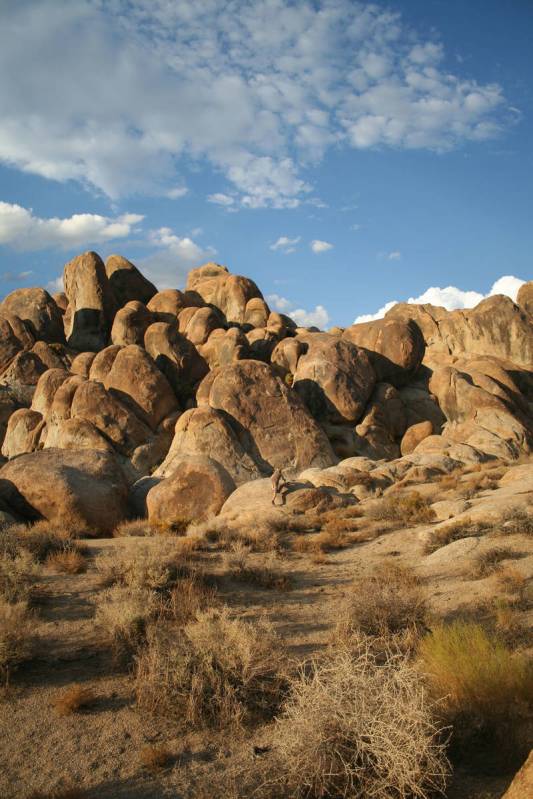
154	566
70	560
516	520
268	575
216	672
18	572
354	727
513	582
508	622
191	595
58	793
123	613
16	636
487	562
73	699
134	528
442	536
386	602
154	758
42	539
409	508
483	686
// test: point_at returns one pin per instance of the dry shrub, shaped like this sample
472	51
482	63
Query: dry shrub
154	758
191	595
133	528
154	566
70	792
409	508
513	582
487	562
269	575
18	573
516	520
71	560
43	538
508	622
73	699
355	727
218	671
442	536
386	602
16	635
328	540
483	686
123	613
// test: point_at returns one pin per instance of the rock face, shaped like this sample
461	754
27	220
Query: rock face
89	492
38	310
395	347
272	423
229	293
91	303
525	297
197	488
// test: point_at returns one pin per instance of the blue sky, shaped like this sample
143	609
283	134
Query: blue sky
342	154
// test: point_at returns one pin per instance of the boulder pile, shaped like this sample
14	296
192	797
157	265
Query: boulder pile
118	400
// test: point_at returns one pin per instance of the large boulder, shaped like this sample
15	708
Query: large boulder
91	303
224	346
46	389
38	310
23	433
176	357
78	489
126	282
136	380
334	378
395	347
197	324
130	324
166	305
229	293
271	421
205	431
197	488
379	432
414	435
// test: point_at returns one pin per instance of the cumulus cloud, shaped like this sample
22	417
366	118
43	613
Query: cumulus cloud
175	255
319	317
145	89
285	244
177	192
22	230
451	297
320	246
395	255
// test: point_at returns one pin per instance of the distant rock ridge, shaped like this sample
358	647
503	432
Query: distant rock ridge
208	383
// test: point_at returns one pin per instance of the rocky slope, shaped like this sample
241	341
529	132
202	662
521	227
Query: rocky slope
117	400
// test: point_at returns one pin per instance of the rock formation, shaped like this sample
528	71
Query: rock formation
115	397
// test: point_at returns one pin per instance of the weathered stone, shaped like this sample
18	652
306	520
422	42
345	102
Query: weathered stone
91	303
36	308
414	435
23	433
395	347
130	324
126	282
176	357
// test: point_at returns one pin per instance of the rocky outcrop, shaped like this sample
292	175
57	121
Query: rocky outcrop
176	357
80	490
36	308
229	293
525	297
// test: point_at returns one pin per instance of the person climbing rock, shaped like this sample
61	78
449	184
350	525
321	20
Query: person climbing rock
278	482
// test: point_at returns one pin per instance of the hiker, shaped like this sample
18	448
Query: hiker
278	483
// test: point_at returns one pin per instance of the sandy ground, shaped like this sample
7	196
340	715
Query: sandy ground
99	749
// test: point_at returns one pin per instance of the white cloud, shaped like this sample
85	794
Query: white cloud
220	199
320	246
319	317
17	277
451	297
56	285
260	90
285	244
22	230
168	266
395	255
177	192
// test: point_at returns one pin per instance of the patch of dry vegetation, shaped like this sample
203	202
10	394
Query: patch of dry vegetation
516	520
356	727
463	528
269	574
217	671
74	699
486	563
154	758
71	560
388	601
484	688
409	508
16	636
58	793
